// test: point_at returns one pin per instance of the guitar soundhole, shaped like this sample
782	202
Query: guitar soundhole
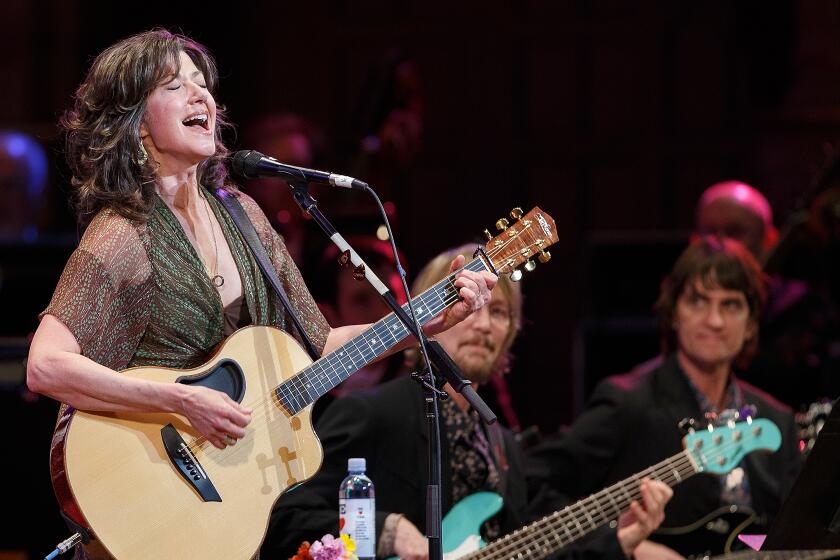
226	376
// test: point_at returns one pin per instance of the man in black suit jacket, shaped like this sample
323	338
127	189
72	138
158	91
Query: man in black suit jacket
388	428
709	307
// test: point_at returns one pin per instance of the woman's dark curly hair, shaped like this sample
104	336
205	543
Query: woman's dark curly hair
103	126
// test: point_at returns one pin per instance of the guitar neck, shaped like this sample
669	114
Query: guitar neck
322	375
563	527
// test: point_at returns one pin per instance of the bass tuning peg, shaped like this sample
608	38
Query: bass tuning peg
516	213
686	425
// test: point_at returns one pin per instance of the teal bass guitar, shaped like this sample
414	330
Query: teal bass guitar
714	450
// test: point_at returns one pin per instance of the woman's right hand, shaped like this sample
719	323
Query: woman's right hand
218	417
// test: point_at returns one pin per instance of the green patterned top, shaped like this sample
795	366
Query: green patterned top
138	294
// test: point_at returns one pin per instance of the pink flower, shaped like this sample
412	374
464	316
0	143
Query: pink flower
328	548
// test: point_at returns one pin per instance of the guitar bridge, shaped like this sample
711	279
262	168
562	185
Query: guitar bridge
187	465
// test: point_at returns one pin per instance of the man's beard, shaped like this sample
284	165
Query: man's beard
479	368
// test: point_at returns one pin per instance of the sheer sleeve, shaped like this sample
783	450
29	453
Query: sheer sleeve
313	320
104	294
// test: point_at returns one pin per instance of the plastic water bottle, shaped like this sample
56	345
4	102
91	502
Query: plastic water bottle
357	509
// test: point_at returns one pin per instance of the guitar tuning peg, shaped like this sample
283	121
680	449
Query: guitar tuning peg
544	257
502	224
516	275
686	425
488	235
530	265
516	213
728	416
711	418
747	411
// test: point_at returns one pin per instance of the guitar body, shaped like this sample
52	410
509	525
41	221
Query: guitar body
780	555
140	504
462	525
715	533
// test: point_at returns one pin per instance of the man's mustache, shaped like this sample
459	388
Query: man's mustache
480	341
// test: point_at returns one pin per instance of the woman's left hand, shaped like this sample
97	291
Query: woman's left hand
473	288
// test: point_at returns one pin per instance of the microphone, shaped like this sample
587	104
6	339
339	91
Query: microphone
250	164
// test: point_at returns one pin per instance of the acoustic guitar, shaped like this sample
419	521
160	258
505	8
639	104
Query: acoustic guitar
148	485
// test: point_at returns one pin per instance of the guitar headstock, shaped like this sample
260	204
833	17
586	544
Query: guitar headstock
718	450
529	235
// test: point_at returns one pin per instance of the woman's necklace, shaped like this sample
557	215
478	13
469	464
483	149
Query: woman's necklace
217	279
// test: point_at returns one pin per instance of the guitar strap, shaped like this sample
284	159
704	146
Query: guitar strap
246	228
497	442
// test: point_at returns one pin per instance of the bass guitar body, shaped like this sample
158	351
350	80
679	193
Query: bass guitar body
153	488
461	526
716	533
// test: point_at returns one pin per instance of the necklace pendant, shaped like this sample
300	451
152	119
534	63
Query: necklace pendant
218	280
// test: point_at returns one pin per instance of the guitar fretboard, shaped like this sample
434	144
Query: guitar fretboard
563	527
322	375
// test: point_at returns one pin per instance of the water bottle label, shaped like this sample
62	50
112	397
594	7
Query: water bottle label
357	518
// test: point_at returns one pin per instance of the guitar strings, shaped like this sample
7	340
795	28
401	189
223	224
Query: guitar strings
540	533
570	521
354	352
200	442
269	403
262	410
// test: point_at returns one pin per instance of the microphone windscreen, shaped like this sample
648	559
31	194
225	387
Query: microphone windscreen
246	163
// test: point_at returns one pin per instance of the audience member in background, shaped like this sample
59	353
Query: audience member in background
290	139
23	176
736	210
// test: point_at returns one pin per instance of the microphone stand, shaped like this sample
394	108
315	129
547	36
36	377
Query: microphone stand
436	357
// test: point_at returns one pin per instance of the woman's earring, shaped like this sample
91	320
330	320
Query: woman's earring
142	155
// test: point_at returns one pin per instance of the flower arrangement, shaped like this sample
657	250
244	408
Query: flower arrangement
328	548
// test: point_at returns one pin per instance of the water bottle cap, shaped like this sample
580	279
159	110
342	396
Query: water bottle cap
356	464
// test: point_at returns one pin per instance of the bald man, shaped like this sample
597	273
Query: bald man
738	211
